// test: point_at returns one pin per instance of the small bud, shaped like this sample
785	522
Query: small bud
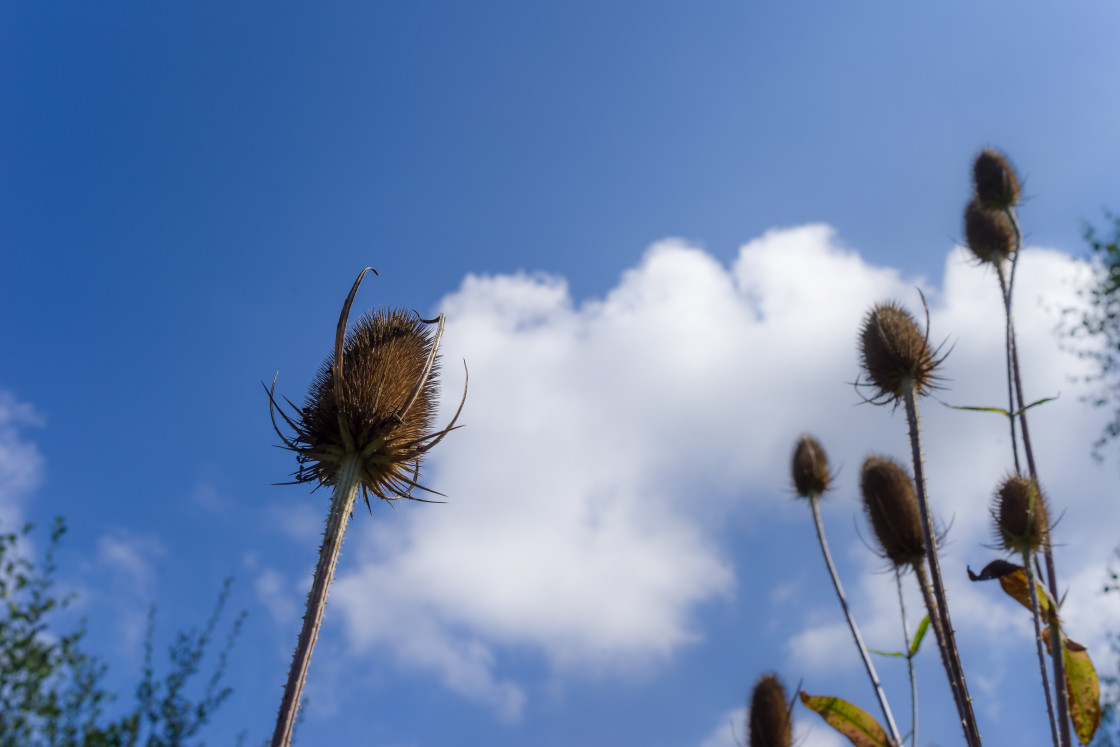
768	722
896	355
810	468
1020	513
892	508
989	233
995	180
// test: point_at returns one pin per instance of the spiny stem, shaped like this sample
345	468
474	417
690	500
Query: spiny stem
946	638
909	661
871	673
1037	616
342	503
939	636
1051	575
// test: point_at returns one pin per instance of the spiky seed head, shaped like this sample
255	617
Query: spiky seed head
380	410
995	181
989	233
768	721
1021	515
892	508
810	468
896	355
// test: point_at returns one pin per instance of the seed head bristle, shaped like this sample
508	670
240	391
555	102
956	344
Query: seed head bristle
989	233
373	398
384	356
768	721
896	355
810	468
995	180
1021	515
892	508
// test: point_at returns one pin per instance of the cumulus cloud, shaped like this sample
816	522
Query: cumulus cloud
21	463
608	440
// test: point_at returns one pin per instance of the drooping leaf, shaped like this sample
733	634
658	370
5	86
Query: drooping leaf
899	654
922	629
1082	687
1013	580
1084	691
851	721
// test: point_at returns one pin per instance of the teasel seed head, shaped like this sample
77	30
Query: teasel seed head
374	396
996	182
810	468
892	508
768	722
1021	515
896	355
989	233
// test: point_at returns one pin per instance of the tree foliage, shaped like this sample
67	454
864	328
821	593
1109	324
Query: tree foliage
1100	321
51	691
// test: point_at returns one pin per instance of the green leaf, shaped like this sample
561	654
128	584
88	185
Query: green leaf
1000	410
922	629
851	721
899	654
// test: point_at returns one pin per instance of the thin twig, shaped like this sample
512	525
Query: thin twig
871	673
1037	616
909	661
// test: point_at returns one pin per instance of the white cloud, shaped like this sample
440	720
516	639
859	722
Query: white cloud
21	463
607	441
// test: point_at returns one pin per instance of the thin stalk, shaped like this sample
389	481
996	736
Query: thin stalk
1051	575
1037	616
871	673
909	661
342	503
959	698
946	638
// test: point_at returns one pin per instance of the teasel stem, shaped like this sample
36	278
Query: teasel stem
960	698
346	482
909	661
1037	616
1051	575
814	500
939	610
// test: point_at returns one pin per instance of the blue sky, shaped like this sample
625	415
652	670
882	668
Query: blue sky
654	229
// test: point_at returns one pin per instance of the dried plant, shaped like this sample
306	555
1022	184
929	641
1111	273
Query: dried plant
366	424
899	367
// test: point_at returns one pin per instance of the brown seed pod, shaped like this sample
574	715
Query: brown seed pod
810	468
380	407
995	180
892	508
768	722
1021	515
989	233
896	355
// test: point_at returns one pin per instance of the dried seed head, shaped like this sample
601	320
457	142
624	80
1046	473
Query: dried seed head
768	722
892	508
810	468
1021	515
384	356
896	355
989	233
375	398
995	180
